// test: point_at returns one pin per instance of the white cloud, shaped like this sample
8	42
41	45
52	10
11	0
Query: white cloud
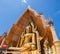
25	1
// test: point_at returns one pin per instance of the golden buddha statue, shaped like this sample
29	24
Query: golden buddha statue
28	39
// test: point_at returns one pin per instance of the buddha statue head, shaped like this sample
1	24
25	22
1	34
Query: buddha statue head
28	29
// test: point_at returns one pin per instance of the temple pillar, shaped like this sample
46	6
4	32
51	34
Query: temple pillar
56	42
38	41
57	46
33	38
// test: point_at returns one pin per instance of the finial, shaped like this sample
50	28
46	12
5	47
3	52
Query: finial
29	7
40	13
50	22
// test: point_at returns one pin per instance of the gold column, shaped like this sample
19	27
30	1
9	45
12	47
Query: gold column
57	47
33	38
38	41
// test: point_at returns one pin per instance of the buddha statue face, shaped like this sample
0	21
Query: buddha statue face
28	29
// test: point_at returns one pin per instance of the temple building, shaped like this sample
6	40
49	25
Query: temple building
33	34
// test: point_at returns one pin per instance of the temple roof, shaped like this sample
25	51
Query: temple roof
30	15
23	21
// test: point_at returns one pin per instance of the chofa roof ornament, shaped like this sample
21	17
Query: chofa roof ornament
50	22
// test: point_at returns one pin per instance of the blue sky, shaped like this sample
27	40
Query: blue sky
11	10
